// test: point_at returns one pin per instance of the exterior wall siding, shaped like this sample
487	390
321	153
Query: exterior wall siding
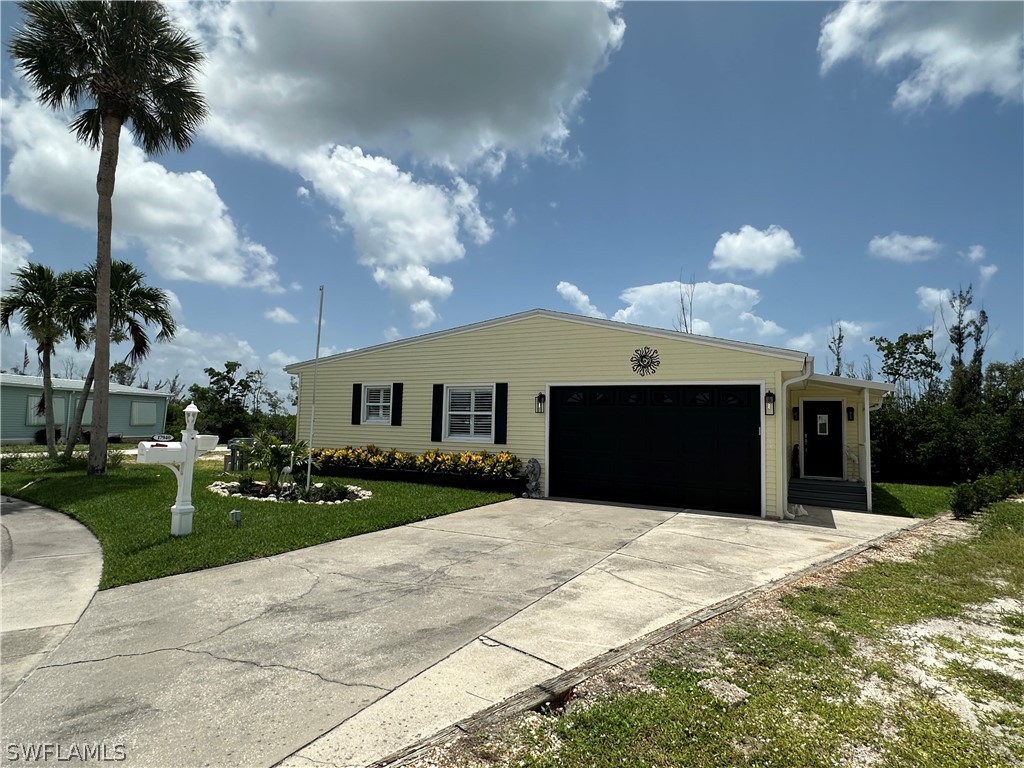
14	408
529	355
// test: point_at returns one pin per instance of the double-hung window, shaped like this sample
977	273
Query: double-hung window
377	404
470	413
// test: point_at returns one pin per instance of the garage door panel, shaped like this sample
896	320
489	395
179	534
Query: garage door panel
691	446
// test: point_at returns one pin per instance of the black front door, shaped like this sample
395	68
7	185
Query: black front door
823	438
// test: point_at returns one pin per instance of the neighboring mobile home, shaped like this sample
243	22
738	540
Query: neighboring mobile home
612	411
135	413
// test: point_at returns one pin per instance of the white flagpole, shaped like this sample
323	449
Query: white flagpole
312	411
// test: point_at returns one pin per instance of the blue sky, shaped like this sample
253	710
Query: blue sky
434	165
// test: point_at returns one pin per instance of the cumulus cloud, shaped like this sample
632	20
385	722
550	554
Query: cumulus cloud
473	81
974	253
578	300
953	50
719	309
14	253
178	218
280	315
401	227
510	218
753	250
986	271
856	343
905	249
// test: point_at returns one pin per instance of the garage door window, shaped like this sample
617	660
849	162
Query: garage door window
470	413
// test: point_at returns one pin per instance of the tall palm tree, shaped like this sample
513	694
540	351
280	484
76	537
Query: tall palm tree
37	295
133	306
120	63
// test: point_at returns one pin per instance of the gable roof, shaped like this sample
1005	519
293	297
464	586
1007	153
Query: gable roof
72	385
660	333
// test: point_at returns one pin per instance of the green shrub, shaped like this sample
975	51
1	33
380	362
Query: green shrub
473	463
963	500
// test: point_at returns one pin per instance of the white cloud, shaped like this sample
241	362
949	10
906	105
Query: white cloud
510	218
280	315
578	300
452	84
719	309
302	193
931	300
954	50
392	334
280	359
401	227
903	248
986	271
14	253
178	218
753	250
974	253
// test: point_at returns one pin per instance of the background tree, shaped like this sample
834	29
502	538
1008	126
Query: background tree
38	296
835	346
124	373
120	63
134	307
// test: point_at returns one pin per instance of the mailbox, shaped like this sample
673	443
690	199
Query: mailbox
206	443
151	452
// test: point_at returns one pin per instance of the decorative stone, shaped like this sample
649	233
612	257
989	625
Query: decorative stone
532	472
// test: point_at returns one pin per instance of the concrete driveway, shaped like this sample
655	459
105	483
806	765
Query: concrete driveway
344	653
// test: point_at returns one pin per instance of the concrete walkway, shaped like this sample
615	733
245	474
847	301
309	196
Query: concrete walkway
343	653
49	568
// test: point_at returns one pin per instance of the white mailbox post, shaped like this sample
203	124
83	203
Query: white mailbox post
180	458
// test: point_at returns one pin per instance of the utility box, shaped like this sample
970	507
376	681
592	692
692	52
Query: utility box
151	452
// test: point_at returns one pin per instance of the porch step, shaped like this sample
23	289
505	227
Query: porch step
828	493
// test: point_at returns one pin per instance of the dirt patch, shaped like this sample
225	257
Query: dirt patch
971	667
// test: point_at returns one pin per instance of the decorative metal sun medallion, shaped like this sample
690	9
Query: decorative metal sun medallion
645	361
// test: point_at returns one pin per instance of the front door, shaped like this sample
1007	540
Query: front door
823	438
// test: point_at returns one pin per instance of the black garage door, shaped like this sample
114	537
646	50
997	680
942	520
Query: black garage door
682	446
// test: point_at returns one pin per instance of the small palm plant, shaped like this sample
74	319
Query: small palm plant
277	457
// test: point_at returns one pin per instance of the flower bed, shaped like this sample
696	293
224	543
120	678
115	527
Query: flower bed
478	470
319	493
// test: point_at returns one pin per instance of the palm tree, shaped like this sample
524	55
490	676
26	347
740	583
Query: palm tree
120	63
133	306
37	296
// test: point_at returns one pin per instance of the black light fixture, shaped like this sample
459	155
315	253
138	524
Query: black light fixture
769	403
849	413
538	402
796	413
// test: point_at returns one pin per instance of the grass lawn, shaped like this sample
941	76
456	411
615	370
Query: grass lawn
832	678
128	510
909	500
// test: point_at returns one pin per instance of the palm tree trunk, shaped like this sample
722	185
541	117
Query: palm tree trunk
101	361
51	440
75	427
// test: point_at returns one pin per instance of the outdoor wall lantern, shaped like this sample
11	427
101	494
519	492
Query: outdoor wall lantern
849	413
538	402
769	403
796	413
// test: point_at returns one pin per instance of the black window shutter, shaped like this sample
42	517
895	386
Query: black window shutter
437	413
357	403
501	414
396	404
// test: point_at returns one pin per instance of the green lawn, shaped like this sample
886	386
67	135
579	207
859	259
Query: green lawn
128	510
909	500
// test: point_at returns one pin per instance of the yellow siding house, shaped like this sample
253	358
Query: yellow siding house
611	411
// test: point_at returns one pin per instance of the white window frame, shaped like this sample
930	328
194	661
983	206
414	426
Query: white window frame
448	412
32	419
384	415
137	418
